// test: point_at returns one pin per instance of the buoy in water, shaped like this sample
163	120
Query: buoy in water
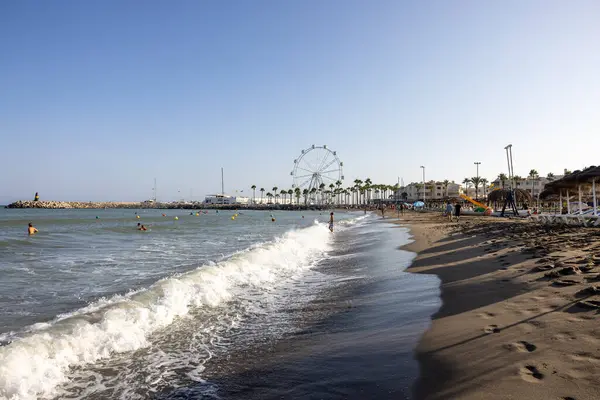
164	215
197	214
176	218
232	218
137	216
272	219
97	217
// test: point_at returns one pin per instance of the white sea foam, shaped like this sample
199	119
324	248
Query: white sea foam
35	363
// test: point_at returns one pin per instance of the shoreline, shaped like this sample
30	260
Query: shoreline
505	330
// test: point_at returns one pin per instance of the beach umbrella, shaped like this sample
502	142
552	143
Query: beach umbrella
499	196
418	204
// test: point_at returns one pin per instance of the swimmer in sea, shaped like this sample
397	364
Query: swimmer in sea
31	229
331	222
141	227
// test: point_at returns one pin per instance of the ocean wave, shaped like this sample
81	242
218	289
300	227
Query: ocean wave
38	359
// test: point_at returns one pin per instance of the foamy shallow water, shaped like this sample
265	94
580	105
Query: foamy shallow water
93	308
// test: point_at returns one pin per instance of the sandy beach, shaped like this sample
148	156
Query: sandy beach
520	309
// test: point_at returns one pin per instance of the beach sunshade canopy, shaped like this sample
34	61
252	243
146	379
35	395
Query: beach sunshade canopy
588	174
418	204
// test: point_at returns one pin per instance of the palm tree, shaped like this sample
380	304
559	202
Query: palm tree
533	175
331	187
357	183
321	188
297	192
283	192
305	194
275	191
503	178
550	176
368	183
446	183
269	197
253	187
290	192
517	179
483	183
313	192
419	186
276	197
476	181
466	182
262	190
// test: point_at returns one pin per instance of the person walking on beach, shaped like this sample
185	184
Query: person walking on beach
457	207
331	222
449	210
31	229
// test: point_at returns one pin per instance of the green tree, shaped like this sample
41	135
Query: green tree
476	181
269	197
275	192
466	182
484	182
253	187
290	192
262	191
503	178
550	176
446	183
283	193
305	194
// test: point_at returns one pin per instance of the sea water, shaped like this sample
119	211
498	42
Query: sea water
91	307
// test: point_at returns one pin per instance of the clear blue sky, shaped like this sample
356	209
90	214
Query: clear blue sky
99	97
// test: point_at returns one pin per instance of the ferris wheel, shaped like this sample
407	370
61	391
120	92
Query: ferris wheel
317	165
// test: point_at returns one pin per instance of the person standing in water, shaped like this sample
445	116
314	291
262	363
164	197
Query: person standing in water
31	229
331	222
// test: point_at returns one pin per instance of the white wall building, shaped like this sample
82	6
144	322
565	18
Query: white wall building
225	199
433	190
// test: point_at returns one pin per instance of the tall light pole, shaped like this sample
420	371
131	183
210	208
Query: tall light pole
476	187
510	165
423	184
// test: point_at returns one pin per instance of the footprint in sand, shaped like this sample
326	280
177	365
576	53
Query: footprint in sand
491	329
530	373
486	315
521	347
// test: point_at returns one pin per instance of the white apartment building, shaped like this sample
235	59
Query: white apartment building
533	186
433	190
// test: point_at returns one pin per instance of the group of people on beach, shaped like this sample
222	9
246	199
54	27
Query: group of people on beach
452	211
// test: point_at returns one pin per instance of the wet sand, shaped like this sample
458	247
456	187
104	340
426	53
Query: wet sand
520	311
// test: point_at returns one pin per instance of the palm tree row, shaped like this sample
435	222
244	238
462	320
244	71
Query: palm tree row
361	193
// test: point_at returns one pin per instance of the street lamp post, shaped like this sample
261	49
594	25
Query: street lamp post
423	185
476	187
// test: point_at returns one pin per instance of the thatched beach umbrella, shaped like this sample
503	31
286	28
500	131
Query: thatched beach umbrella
591	174
500	195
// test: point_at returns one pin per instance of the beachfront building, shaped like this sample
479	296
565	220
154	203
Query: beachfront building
534	186
225	199
433	191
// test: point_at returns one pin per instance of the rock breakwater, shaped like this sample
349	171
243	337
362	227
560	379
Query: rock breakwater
72	204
